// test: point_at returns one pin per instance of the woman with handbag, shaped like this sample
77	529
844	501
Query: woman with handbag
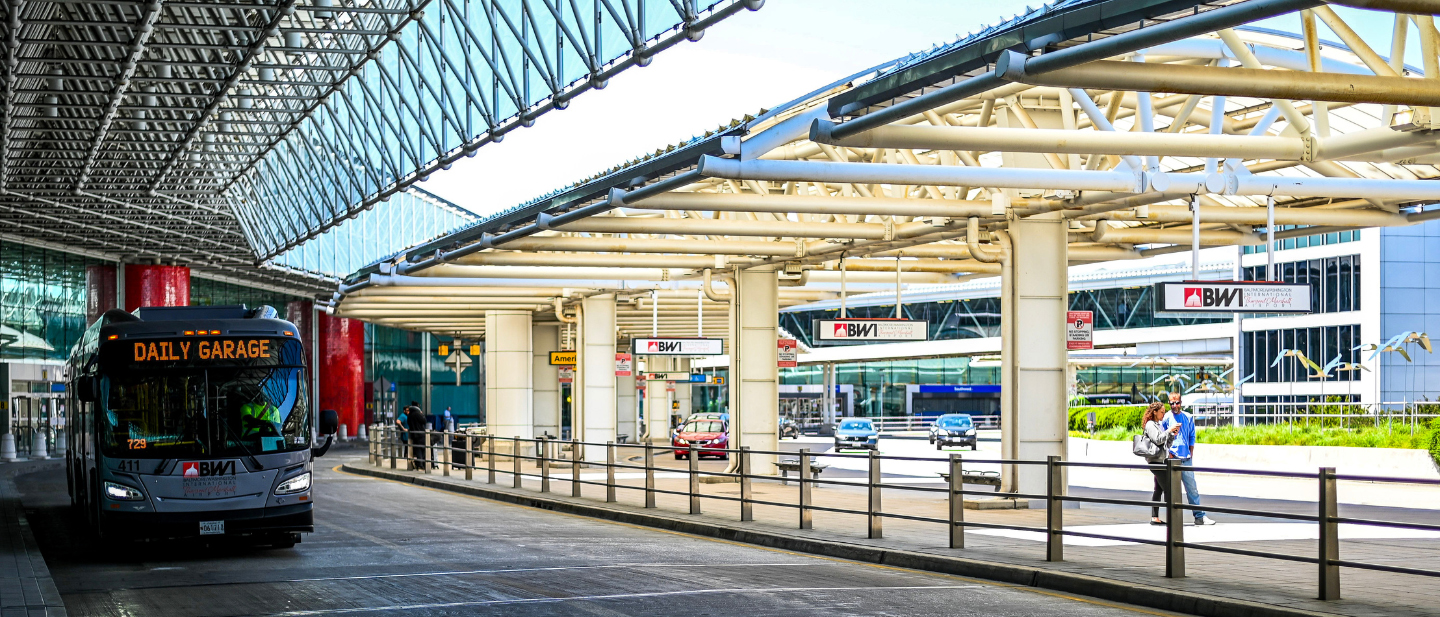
1154	445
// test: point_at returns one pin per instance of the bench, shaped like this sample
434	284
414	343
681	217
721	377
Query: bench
793	464
988	478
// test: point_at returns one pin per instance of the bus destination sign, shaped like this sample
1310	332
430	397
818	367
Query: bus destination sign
258	351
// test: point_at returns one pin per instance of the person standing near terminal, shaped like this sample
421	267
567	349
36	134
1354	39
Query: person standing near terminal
1156	433
402	426
419	423
447	421
1183	450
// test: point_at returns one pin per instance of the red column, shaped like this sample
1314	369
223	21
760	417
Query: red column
152	285
99	291
342	368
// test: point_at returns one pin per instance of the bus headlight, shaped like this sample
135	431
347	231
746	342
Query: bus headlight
297	484
120	492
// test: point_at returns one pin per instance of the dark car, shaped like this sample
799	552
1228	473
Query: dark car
953	429
710	438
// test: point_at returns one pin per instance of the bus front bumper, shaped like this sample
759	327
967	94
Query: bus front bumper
298	517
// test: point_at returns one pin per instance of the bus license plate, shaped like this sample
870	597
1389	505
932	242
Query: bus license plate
212	528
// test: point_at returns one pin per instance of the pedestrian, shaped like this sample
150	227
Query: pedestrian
402	426
1155	431
419	424
1182	449
447	420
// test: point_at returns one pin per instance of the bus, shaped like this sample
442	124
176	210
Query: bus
192	422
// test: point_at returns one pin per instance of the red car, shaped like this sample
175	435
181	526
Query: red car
704	434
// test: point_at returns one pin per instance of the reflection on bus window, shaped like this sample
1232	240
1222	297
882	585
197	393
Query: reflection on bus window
214	412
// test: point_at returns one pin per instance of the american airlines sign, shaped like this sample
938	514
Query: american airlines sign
835	331
678	347
1232	297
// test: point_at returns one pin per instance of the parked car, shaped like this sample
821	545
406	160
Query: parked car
953	429
857	433
710	438
788	428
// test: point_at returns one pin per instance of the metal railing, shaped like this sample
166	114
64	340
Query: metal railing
891	424
1408	416
476	453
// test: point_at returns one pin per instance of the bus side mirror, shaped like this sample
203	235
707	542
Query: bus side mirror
329	422
85	389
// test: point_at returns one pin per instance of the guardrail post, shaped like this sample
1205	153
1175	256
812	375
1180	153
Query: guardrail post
394	444
1054	511
490	459
515	459
694	465
747	509
806	498
574	467
1174	524
610	472
542	450
445	446
873	511
429	460
469	457
957	502
1329	536
649	475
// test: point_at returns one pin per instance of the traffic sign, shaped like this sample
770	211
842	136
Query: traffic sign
562	358
788	354
624	365
1079	330
567	374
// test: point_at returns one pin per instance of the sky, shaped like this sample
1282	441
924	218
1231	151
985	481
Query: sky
750	61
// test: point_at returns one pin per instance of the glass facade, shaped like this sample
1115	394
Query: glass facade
42	302
1334	281
205	292
1321	345
399	356
1304	241
880	386
1121	307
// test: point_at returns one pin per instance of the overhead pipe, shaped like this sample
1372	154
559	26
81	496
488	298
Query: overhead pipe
813	204
709	289
1250	184
1204	23
972	241
1407	7
869	173
723	227
1061	141
1147	235
1246	215
592	260
1212	81
646	245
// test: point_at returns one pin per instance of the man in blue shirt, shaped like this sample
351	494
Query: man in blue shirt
1182	449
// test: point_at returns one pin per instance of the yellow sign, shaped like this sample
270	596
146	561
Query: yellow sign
562	358
475	349
444	350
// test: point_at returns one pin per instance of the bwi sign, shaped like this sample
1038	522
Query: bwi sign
1232	297
1079	330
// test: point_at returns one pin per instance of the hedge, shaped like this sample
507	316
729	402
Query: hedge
1435	440
1126	416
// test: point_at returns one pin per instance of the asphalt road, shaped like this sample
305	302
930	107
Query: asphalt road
384	548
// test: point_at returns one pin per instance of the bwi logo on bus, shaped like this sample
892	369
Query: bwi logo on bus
1197	297
196	469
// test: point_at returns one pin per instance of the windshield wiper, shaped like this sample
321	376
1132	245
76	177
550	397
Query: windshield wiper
253	461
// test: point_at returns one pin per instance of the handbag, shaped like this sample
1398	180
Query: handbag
1143	447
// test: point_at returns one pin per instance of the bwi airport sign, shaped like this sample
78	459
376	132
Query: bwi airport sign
1232	297
678	347
840	331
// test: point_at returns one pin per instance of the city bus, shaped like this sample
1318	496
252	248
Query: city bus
192	422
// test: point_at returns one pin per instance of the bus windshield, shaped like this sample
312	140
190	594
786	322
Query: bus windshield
230	411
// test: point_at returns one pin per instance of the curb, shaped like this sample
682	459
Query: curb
1068	582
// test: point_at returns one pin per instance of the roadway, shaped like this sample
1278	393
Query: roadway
387	548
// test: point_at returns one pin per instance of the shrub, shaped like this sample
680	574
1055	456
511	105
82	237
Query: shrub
1435	440
1117	417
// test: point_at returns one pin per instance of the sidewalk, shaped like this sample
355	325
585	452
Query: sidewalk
1243	585
25	585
